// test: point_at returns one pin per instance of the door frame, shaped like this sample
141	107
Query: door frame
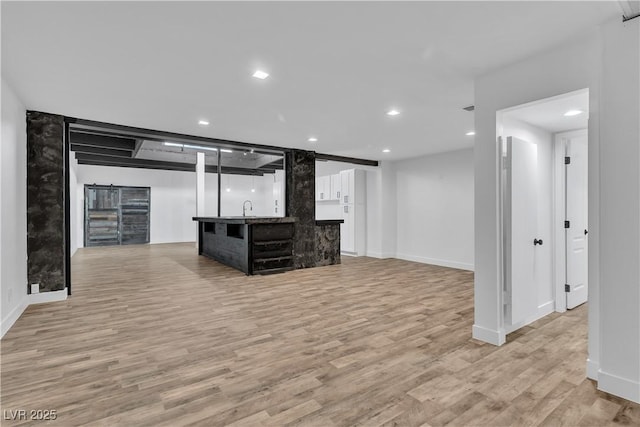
559	265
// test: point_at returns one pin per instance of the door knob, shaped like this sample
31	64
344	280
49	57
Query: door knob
537	242
586	232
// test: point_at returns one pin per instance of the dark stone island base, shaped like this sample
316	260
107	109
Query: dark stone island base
263	245
328	242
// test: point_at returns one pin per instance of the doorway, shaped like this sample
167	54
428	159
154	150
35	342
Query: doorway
544	231
571	161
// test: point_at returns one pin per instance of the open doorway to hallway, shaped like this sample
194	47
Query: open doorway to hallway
543	183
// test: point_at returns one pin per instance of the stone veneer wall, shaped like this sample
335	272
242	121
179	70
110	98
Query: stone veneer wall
327	244
45	201
301	204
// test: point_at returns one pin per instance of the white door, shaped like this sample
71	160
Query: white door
520	227
576	213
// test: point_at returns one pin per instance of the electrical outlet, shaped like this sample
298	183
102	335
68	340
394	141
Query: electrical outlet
35	288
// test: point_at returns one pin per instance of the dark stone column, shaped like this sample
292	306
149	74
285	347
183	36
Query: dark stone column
45	201
301	204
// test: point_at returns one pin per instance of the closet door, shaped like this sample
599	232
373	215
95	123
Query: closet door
520	225
134	211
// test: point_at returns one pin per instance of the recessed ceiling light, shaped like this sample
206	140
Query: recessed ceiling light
470	133
386	150
259	74
203	123
228	189
313	139
253	190
393	112
571	113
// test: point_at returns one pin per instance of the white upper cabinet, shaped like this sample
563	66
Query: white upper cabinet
347	186
321	188
328	188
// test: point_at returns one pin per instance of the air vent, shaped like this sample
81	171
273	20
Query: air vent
469	108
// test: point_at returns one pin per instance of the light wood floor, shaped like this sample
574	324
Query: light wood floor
155	335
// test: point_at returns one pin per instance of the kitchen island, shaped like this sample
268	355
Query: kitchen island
253	245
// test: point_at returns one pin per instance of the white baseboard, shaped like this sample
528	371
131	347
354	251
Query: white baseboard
14	315
592	369
618	386
43	297
543	310
375	255
489	335
38	298
435	261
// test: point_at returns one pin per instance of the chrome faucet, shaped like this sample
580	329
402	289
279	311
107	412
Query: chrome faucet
244	207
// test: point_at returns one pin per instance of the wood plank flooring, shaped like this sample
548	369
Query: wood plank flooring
157	336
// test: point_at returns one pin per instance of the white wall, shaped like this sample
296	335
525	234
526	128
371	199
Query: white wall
619	293
240	186
565	69
607	62
173	198
435	209
13	209
543	271
400	194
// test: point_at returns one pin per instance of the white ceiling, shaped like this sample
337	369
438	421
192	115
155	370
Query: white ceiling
335	67
549	115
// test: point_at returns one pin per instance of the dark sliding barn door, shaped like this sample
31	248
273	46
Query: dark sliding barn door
116	215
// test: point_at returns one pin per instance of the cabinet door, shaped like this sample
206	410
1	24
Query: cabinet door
335	187
347	229
323	187
346	186
278	199
319	188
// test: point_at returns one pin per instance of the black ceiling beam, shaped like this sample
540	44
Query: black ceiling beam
122	165
90	149
100	160
234	171
353	160
157	135
103	141
122	161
